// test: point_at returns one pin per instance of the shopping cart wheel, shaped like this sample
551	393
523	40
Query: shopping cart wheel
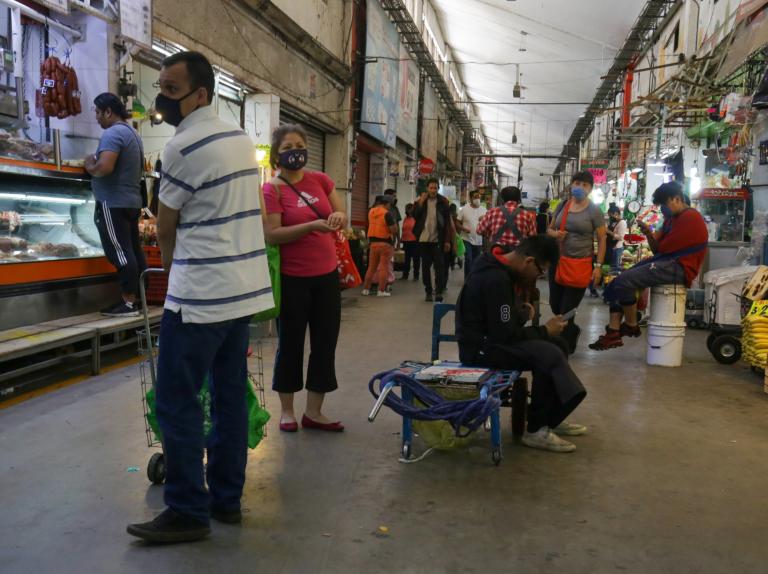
496	456
406	450
156	468
726	349
711	339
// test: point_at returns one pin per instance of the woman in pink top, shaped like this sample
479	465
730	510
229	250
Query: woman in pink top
303	212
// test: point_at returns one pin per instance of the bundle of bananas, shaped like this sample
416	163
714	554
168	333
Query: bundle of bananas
754	338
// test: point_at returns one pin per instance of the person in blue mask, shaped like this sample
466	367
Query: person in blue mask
575	224
679	248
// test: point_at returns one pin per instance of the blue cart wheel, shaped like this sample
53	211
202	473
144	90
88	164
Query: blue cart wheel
406	450
496	456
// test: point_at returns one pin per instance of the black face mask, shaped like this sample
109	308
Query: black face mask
170	109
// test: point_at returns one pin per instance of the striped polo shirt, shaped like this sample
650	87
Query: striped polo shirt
210	176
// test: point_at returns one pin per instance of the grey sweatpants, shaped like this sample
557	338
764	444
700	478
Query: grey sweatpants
623	290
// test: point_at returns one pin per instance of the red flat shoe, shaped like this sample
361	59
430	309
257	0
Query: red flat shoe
289	427
308	423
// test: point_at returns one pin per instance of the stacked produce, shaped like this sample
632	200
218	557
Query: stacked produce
754	339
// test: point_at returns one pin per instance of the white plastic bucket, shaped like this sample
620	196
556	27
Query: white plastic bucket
668	305
665	345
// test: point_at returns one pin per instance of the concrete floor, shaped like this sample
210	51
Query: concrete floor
670	478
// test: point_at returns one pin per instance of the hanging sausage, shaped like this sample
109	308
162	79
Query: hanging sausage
59	89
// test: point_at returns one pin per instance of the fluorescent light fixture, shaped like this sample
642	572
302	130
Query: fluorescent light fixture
695	186
42	198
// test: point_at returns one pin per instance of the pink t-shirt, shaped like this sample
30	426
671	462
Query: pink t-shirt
315	253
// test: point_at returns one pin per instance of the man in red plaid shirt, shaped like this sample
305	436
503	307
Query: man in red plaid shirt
497	228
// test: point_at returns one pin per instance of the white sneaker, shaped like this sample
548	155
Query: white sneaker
384	294
570	429
545	439
365	293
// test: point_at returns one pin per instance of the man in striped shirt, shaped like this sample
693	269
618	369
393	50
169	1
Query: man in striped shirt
211	237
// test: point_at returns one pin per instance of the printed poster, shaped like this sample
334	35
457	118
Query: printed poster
382	77
407	123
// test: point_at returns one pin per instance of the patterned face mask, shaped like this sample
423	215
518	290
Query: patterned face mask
293	159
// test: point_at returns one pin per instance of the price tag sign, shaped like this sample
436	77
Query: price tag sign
759	308
136	21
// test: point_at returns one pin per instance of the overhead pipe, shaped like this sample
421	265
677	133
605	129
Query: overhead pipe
38	17
625	113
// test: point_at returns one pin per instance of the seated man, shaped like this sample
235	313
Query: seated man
491	331
679	249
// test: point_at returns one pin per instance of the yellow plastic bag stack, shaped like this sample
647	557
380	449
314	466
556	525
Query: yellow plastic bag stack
754	338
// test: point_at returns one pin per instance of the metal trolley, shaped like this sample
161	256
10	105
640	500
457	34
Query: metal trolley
148	338
486	387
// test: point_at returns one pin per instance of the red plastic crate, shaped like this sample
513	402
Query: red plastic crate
157	283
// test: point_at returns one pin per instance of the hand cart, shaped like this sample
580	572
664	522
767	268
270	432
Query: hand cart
148	339
421	381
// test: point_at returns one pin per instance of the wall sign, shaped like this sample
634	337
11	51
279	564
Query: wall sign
598	170
136	21
429	124
382	77
724	193
407	118
426	166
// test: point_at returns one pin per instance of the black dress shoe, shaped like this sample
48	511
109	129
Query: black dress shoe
170	527
439	298
227	516
428	298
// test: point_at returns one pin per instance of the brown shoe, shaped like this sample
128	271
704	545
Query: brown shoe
629	330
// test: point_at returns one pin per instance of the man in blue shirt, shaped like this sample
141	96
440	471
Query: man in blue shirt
116	168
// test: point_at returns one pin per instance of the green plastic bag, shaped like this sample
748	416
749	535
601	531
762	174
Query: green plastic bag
440	434
257	416
461	249
273	259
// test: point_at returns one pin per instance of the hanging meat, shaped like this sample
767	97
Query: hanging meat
59	89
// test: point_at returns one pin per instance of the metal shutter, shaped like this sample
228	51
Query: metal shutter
315	143
360	189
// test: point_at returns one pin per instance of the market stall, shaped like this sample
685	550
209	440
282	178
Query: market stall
51	260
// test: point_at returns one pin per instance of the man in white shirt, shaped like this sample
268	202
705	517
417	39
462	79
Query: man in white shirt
617	229
212	242
470	216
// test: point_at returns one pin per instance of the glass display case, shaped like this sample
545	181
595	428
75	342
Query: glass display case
724	210
46	215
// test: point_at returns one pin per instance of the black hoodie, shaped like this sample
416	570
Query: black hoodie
489	312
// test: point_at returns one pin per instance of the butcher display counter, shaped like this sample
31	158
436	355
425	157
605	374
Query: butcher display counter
51	260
